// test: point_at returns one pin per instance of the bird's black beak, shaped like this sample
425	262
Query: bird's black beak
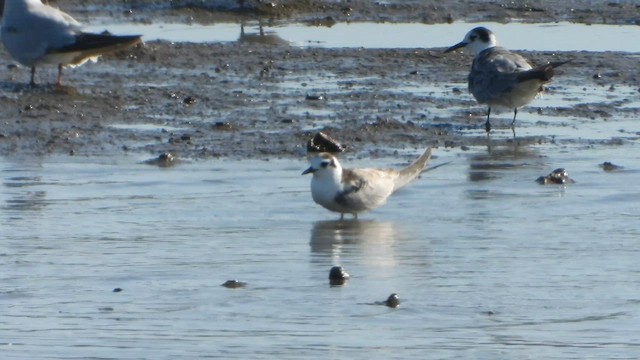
456	46
310	170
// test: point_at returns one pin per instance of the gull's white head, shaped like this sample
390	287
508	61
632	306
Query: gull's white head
324	165
476	40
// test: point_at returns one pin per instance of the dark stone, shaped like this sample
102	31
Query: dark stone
393	301
338	276
322	142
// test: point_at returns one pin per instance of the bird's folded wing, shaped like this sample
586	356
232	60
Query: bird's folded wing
366	188
96	44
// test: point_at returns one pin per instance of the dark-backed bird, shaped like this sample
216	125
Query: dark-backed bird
499	77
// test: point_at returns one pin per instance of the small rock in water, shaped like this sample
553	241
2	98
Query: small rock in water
338	276
393	301
234	284
163	160
322	142
558	176
117	290
609	166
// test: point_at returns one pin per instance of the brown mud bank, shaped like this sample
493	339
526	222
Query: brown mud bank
249	99
328	11
239	100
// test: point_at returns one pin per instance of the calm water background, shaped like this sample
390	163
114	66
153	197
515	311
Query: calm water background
563	36
488	264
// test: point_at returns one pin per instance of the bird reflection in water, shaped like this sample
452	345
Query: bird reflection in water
372	239
489	165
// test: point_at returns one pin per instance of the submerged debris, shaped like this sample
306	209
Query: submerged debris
234	284
163	160
558	176
322	142
609	166
338	276
393	301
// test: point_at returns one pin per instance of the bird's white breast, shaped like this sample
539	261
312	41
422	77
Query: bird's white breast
324	191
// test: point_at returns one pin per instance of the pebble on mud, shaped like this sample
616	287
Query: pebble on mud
609	166
322	142
338	276
234	284
189	100
558	176
313	97
223	125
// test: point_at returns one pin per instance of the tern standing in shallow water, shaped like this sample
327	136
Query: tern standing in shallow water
499	77
35	34
352	191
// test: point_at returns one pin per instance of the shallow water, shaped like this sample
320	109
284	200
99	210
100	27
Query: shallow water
539	37
487	263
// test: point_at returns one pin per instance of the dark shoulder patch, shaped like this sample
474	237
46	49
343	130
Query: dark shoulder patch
484	34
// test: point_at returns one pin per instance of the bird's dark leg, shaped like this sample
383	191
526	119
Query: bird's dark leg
33	76
513	123
341	216
59	80
487	125
355	216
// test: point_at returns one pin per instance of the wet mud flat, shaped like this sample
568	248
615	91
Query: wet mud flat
328	11
260	98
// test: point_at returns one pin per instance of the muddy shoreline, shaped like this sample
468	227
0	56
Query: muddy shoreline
257	100
620	12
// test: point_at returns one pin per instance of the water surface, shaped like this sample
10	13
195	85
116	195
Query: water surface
487	263
561	36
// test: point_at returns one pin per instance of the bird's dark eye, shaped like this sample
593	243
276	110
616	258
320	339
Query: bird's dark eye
324	164
472	37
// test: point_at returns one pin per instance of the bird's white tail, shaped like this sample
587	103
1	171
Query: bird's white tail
412	171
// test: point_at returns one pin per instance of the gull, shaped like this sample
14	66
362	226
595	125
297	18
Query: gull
352	191
500	78
35	34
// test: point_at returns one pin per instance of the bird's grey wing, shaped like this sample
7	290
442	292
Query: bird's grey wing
366	188
495	71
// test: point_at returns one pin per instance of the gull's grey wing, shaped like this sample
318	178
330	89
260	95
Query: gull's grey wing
494	72
365	189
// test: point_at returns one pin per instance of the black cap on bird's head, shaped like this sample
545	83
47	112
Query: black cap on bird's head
478	39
